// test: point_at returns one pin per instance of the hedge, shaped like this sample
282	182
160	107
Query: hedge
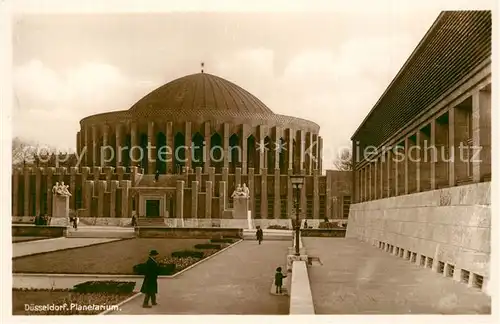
166	269
114	287
187	253
208	246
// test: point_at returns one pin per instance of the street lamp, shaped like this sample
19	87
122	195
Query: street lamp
297	183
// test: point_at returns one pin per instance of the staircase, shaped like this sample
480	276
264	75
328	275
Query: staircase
151	221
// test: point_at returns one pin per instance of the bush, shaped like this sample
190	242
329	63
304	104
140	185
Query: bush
187	253
278	227
222	240
114	287
208	246
166	269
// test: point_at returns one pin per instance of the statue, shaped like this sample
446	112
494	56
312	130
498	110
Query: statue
240	192
61	190
246	190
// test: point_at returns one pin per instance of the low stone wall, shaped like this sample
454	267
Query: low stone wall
314	223
449	228
184	232
323	232
301	302
225	223
42	231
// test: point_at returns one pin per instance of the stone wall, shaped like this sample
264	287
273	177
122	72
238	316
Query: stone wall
449	227
41	231
323	232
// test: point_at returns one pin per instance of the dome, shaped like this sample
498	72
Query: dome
201	93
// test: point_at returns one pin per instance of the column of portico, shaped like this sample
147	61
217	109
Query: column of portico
418	157
119	145
170	157
302	141
95	157
451	147
320	155
396	167
187	141
307	153
104	153
370	183
206	129
381	171
151	148
406	166
481	135
290	149
388	174
225	143
244	147
433	154
134	152
78	143
276	142
365	179
87	148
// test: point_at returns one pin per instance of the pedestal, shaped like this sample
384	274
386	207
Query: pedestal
240	205
60	206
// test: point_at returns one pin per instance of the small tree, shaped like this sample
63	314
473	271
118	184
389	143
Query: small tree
343	162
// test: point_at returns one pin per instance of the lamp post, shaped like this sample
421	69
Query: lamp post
297	183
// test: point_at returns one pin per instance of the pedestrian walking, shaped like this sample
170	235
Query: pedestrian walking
150	284
305	224
259	234
278	280
157	175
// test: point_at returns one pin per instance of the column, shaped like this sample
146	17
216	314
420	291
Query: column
481	135
38	191
188	142
15	192
302	142
95	157
315	194
226	145
237	176
389	164
118	146
303	198
328	193
375	179
320	155
222	198
88	192
417	162
260	148
169	138
72	187
208	146
27	191
133	143
125	187
433	156
105	141
451	147
277	194
225	175
112	198
263	194
251	188
88	150
211	176
370	182
406	166
244	147
290	150
208	201
151	148
277	141
194	199
289	196
78	143
380	169
396	165
179	200
307	153
101	189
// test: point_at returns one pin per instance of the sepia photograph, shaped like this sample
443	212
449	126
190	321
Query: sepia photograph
251	162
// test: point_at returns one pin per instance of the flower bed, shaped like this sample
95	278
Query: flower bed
208	246
115	287
278	227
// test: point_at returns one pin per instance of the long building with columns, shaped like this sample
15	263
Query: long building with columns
203	135
422	156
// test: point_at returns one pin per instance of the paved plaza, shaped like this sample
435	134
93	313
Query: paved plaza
358	278
237	282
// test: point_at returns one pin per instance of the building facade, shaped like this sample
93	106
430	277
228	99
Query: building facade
422	157
203	135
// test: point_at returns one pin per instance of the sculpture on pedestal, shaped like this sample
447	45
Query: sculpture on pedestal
61	190
241	192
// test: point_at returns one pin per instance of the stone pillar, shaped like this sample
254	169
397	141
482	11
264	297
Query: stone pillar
380	176
320	155
277	194
451	147
406	166
225	144
289	143
72	186
307	153
208	201
134	154
396	167
315	194
211	177
125	188
194	199
108	172
208	146
95	156
87	149
85	175
118	146
112	198
151	153
222	197
26	189
328	194
60	206
433	157
120	171
277	141
289	196
263	194
89	190
237	176
198	174
105	142
418	163
240	210
225	175
179	201
251	188
189	147
481	135
38	191
244	146
169	137
78	143
101	189
260	147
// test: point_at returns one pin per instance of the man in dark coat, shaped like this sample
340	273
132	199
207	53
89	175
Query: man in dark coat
260	234
150	284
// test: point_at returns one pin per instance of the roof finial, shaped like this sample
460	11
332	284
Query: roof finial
202	65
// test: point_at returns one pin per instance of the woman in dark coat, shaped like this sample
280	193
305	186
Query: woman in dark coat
150	284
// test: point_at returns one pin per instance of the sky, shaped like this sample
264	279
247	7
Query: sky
328	67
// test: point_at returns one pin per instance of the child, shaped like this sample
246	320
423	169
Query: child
260	234
278	280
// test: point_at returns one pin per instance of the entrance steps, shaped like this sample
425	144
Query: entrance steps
101	232
151	221
269	235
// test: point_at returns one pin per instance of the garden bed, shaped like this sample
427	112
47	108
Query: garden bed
87	298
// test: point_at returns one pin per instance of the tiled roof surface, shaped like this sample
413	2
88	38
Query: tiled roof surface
457	43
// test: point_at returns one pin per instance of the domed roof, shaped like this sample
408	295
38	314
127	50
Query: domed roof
202	93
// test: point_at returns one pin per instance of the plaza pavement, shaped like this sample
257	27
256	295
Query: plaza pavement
236	282
54	244
358	278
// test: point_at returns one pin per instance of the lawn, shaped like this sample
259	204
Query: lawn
109	258
34	298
